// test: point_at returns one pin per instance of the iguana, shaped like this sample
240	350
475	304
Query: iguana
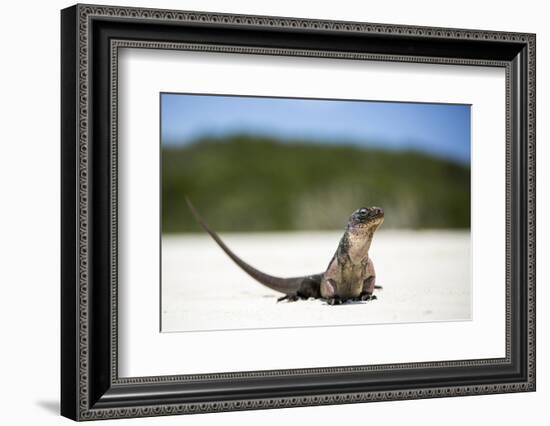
349	276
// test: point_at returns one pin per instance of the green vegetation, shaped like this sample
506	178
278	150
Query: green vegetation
246	183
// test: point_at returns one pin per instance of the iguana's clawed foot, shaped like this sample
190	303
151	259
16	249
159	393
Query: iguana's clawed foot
336	300
367	296
363	297
289	298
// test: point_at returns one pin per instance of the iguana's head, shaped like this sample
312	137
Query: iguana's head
356	241
366	219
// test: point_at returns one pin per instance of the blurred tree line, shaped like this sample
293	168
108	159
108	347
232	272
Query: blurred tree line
246	183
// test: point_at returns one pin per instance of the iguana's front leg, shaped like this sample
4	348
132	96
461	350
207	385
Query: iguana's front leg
329	291
369	283
329	286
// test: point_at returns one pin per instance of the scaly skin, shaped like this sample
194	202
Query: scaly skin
349	276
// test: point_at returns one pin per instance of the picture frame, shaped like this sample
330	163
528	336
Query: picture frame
91	387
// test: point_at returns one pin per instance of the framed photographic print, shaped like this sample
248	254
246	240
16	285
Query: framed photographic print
263	212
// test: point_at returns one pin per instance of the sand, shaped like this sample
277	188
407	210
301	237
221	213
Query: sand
426	276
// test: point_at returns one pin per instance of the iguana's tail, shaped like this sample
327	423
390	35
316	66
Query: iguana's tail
287	286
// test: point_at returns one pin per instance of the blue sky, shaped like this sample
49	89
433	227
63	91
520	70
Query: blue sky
442	130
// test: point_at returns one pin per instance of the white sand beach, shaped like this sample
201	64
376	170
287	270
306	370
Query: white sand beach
426	276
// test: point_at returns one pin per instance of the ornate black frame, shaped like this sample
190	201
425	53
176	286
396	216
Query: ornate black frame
91	37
